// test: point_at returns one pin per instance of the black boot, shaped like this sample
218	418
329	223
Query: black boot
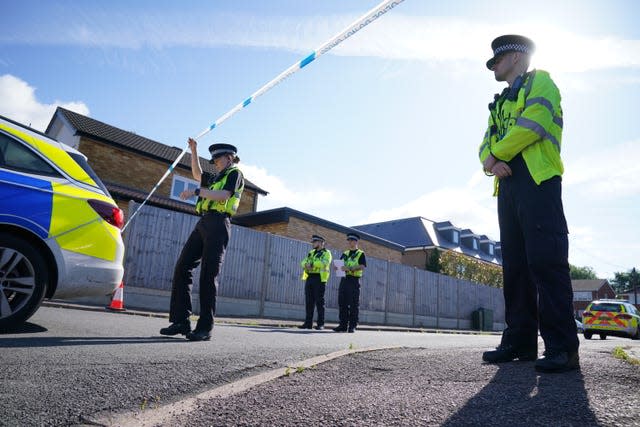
340	328
305	325
199	335
183	328
558	361
508	353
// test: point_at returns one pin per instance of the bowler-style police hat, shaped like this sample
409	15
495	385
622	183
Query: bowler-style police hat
353	236
510	43
316	238
220	149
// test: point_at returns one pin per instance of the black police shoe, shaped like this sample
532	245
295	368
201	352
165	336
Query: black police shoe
177	328
508	353
351	330
305	326
558	361
319	327
340	329
199	335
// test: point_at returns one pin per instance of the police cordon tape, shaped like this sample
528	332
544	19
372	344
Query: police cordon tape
350	30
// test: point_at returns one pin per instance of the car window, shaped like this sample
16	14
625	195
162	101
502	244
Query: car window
82	162
604	306
15	156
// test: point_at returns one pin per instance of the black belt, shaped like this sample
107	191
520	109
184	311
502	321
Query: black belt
216	213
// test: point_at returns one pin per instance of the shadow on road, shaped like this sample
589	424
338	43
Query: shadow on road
25	328
518	395
293	331
73	341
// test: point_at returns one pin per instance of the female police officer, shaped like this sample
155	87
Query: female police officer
218	199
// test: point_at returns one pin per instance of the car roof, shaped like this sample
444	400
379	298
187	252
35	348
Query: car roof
40	135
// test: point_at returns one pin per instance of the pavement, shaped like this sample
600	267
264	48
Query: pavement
407	386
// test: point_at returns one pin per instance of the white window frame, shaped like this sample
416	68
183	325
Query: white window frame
582	296
186	184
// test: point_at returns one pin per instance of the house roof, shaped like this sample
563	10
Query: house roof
588	285
119	191
283	214
86	126
418	232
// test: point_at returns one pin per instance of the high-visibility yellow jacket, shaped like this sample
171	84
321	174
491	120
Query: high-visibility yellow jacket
527	118
230	206
320	259
353	261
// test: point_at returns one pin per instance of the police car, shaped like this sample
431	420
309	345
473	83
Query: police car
611	318
60	230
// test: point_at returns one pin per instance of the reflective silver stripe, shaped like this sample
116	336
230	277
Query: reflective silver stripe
542	101
558	121
537	128
482	147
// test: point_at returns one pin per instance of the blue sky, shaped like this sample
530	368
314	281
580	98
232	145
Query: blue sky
384	126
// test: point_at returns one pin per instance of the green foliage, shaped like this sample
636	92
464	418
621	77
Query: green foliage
433	261
464	267
582	273
624	281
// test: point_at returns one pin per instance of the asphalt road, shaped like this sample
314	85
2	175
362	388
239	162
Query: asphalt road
66	366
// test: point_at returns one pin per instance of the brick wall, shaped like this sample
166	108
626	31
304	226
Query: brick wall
139	172
415	259
127	168
302	230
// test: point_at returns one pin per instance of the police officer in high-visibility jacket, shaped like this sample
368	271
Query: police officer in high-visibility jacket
349	290
315	273
218	199
521	148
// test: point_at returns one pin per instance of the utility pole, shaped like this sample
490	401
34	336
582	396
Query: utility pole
633	280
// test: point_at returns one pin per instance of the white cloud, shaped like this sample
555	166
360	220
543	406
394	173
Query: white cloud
281	195
18	102
393	36
470	206
609	173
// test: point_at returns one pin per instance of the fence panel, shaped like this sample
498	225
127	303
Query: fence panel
265	267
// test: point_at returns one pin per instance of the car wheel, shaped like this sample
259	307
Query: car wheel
637	334
603	337
588	335
23	281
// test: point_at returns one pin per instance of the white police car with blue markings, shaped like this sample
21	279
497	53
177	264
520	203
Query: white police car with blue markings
60	230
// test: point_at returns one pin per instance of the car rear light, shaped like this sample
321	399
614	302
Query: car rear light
624	316
587	314
112	214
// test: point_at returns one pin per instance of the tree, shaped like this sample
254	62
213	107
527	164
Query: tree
582	273
433	261
624	281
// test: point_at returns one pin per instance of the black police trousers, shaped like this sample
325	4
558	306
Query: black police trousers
535	249
314	297
207	244
349	301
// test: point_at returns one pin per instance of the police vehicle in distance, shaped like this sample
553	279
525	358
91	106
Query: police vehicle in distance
610	317
60	230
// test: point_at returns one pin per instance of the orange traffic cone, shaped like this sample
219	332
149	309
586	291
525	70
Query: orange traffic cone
117	301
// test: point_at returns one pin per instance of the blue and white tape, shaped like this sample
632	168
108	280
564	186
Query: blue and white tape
350	30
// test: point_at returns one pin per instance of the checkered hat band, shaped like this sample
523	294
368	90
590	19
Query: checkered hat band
510	48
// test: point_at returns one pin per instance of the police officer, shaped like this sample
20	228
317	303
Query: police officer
218	199
521	148
315	273
349	290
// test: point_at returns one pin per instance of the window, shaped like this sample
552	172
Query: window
180	184
490	249
455	237
475	244
16	156
582	296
